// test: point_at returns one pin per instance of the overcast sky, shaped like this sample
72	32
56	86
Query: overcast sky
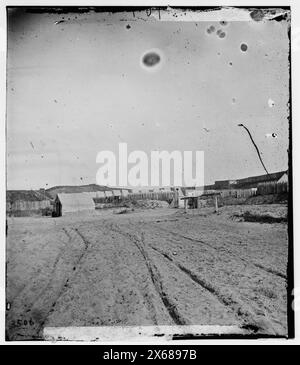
77	87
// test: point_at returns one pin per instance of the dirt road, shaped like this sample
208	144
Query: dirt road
148	267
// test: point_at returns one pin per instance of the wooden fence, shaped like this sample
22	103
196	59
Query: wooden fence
237	193
272	188
162	195
27	208
27	205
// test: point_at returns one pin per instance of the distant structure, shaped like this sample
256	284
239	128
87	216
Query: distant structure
233	191
252	181
68	189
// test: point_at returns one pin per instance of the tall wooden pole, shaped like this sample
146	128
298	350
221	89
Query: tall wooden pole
216	204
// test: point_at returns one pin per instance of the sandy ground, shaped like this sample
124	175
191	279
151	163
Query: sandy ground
148	267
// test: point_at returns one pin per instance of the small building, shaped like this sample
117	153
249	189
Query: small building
108	194
222	184
116	195
253	181
135	191
100	195
196	201
69	203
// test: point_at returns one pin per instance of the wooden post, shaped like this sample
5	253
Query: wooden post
198	203
185	205
176	198
216	204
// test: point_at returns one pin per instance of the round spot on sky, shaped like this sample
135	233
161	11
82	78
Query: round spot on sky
257	15
230	63
233	100
244	47
271	135
212	28
151	59
223	23
219	31
208	31
271	103
128	26
222	35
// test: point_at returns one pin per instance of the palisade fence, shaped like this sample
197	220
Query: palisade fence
238	193
23	208
262	189
272	188
27	205
162	195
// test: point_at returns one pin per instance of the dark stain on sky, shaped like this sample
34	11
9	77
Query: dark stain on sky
151	59
244	47
210	29
257	15
281	17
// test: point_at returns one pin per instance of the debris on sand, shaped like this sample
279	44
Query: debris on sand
261	218
123	211
150	204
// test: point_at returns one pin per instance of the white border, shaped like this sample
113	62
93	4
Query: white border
295	11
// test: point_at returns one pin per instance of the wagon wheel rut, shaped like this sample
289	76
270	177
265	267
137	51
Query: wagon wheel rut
227	250
155	277
245	314
245	317
44	303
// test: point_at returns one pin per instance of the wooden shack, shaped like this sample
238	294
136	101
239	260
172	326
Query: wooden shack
71	203
195	200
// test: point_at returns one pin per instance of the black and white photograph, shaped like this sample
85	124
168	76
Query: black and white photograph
149	175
